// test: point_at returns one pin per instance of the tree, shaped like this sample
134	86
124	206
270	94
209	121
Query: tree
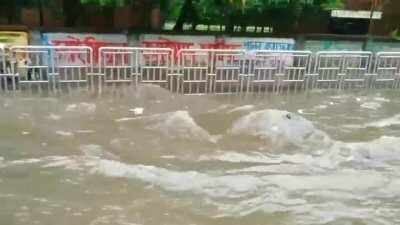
71	10
147	6
107	2
40	5
12	10
188	14
281	15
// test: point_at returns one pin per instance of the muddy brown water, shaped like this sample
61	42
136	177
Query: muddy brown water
324	157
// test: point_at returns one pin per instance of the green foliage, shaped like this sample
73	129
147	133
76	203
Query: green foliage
333	4
279	14
395	34
106	2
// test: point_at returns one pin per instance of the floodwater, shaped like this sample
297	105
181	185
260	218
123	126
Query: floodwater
153	158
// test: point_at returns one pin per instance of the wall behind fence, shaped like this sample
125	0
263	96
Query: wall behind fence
95	41
383	46
177	42
332	45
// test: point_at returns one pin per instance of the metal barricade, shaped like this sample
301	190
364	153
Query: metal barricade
8	82
33	66
155	65
198	71
279	70
341	69
133	65
386	70
3	70
228	68
263	69
71	65
211	71
194	66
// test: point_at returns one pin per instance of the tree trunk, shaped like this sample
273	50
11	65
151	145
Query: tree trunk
109	12
230	23
182	16
41	16
186	11
13	11
72	9
155	18
179	23
146	5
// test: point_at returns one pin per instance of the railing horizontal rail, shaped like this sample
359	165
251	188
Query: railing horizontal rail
194	71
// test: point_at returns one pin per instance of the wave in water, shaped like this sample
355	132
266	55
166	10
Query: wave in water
279	128
178	125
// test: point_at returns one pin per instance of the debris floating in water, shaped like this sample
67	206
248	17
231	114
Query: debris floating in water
137	111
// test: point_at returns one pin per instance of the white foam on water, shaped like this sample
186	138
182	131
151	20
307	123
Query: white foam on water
53	117
92	150
178	125
391	190
394	120
278	127
320	107
311	188
55	158
341	97
6	195
319	162
294	194
371	105
220	108
68	163
377	153
85	131
243	108
122	143
96	152
283	168
124	119
305	112
272	200
191	181
24	161
25	133
46	212
333	194
235	157
137	111
256	157
6	103
1	161
112	208
381	99
71	107
72	162
82	107
383	149
65	133
282	187
347	180
168	157
337	212
23	116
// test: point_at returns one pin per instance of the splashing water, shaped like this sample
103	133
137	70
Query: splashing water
331	158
